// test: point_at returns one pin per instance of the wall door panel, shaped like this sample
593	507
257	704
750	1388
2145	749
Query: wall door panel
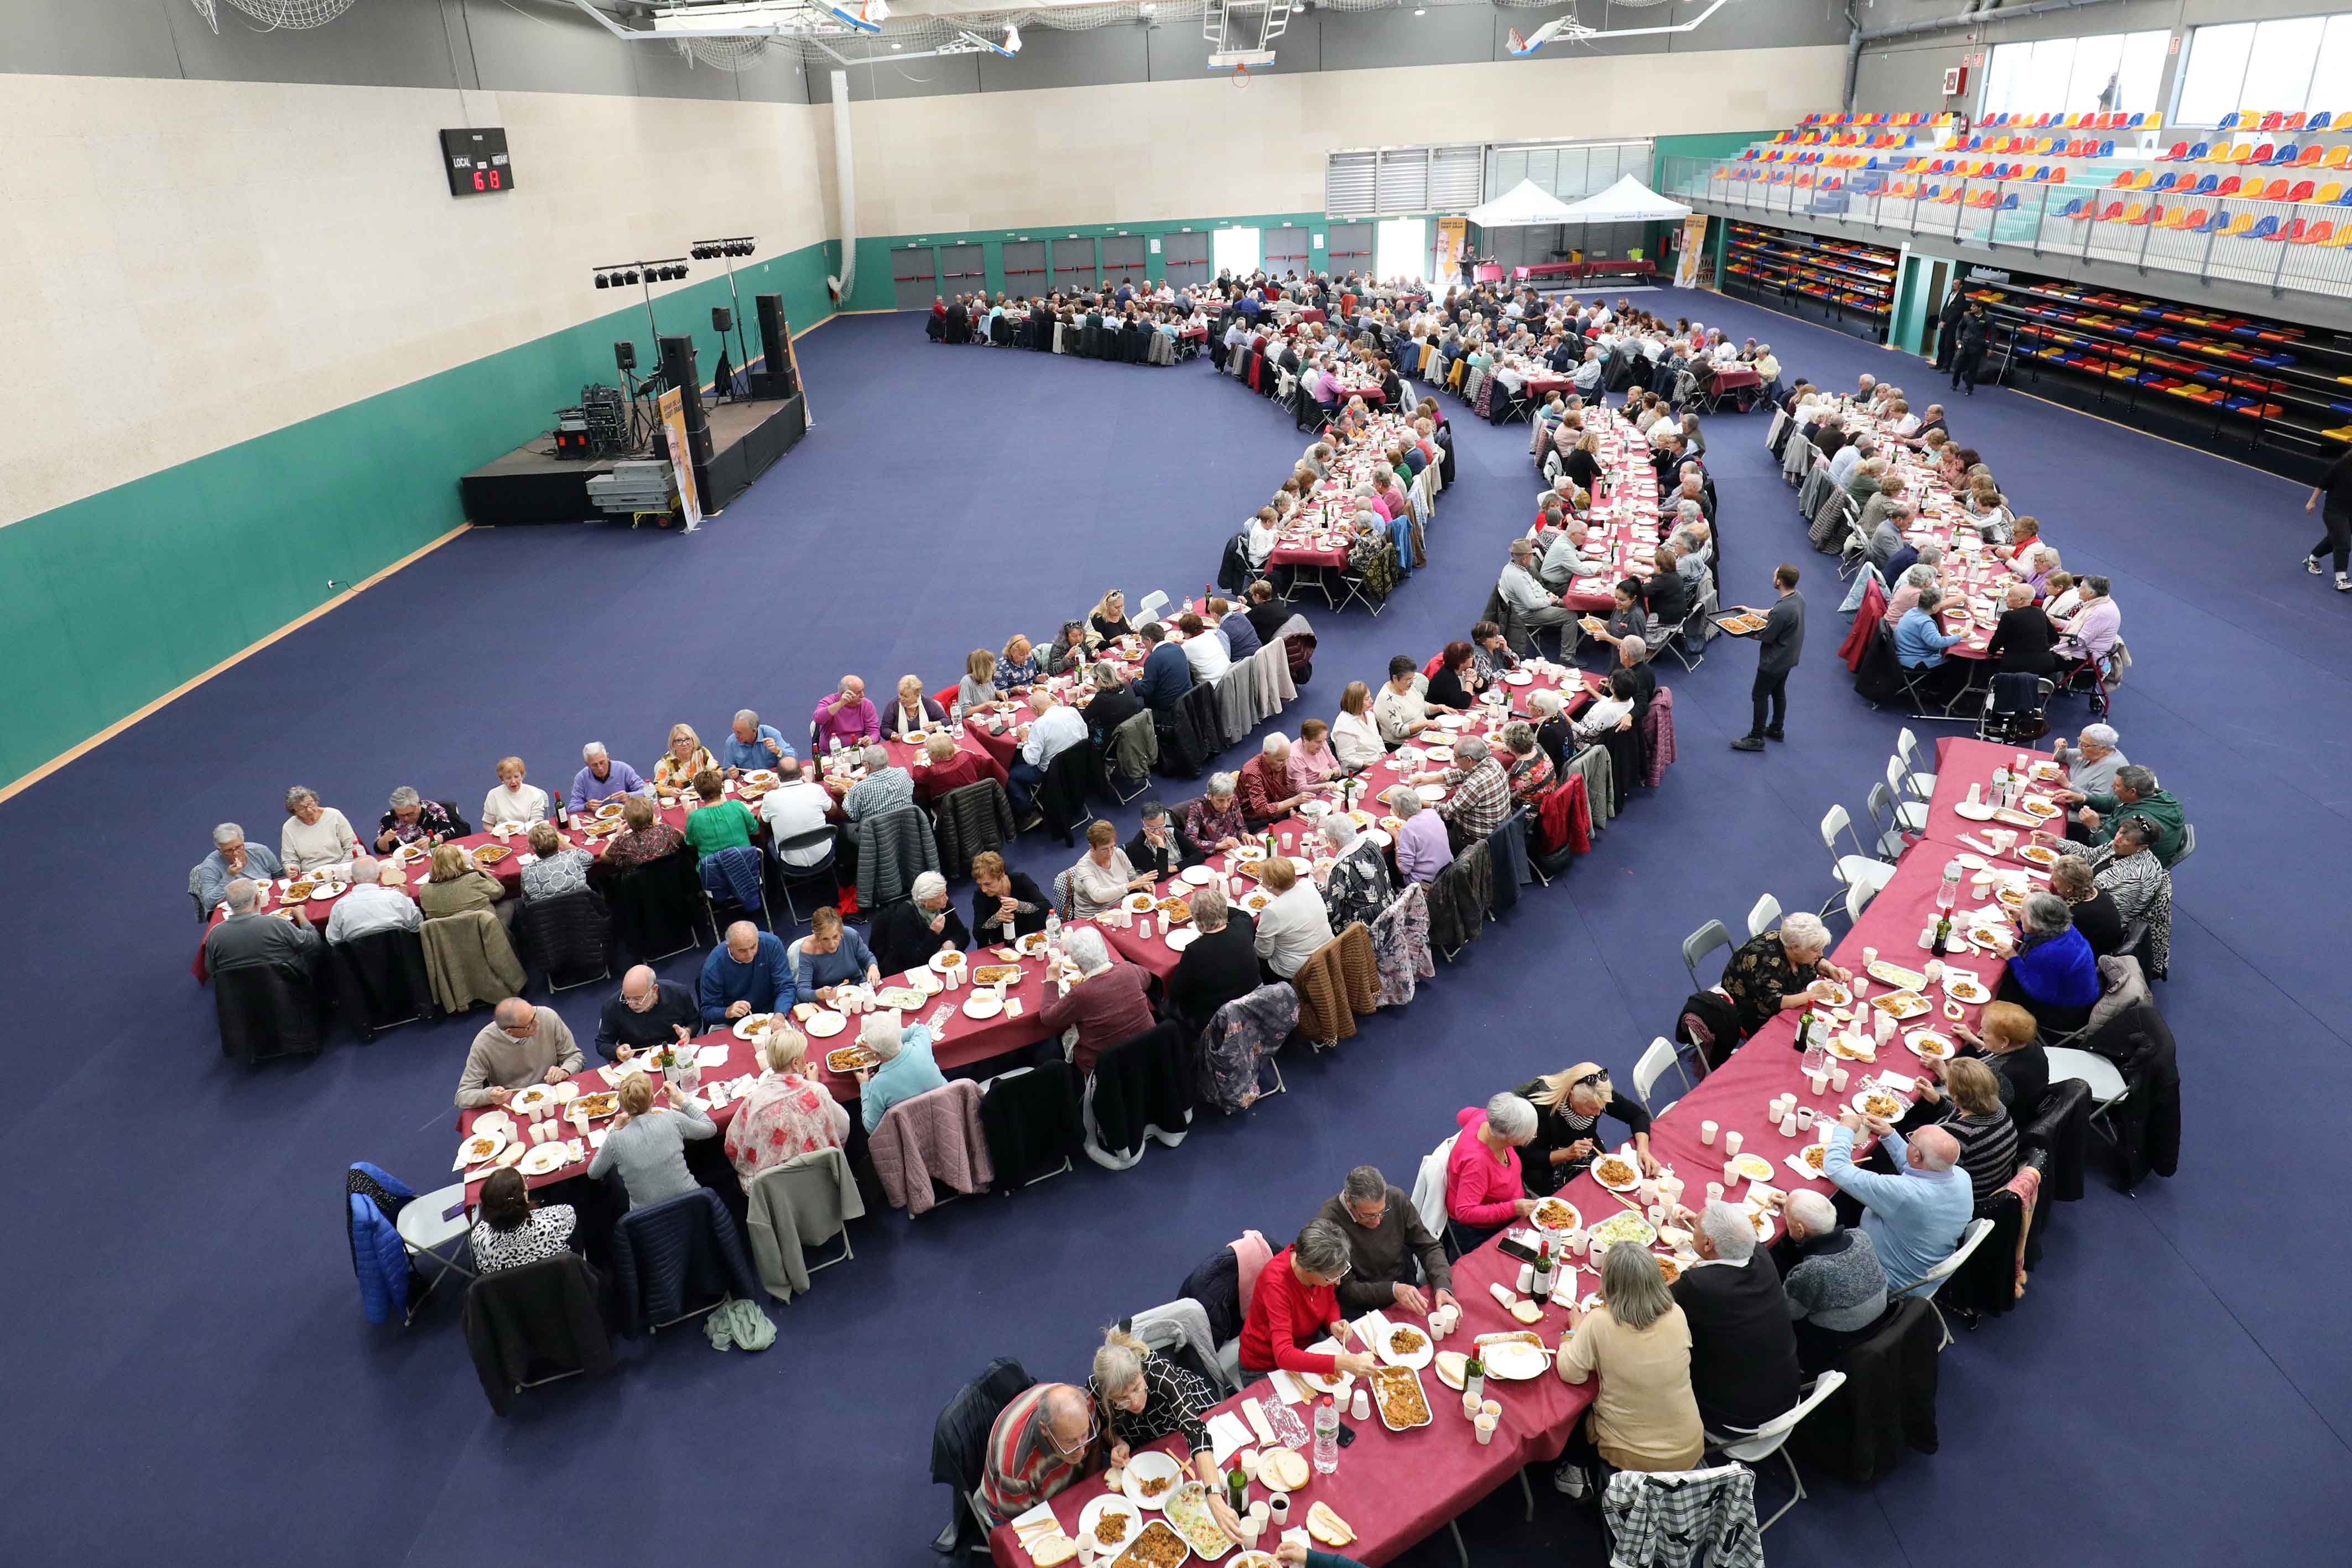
963	269
1284	250
1122	258
1187	259
1024	267
1349	249
915	277
1074	265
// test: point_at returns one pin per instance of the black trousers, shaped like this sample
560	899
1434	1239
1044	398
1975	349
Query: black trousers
1965	364
2338	539
1771	691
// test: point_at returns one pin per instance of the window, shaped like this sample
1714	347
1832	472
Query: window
1233	250
2112	72
1570	172
1403	248
2293	64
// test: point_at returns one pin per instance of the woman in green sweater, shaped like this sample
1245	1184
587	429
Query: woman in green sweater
718	823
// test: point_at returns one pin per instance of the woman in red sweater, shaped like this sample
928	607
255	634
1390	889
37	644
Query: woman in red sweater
1296	1304
1483	1187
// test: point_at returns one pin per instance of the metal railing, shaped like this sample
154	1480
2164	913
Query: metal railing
2082	219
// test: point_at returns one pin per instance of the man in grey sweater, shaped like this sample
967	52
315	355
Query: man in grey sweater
521	1045
1778	646
1836	1288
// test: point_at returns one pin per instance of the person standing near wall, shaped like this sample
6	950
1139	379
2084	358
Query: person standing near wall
1947	324
2333	492
1777	650
1968	349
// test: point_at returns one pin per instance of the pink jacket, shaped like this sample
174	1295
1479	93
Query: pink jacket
1252	1253
934	1137
1478	1190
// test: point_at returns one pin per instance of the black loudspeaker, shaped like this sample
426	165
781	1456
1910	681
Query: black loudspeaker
625	355
775	377
722	319
677	365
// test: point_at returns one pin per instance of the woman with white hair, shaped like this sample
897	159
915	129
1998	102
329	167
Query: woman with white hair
788	1110
413	820
1356	884
1644	1416
1484	1188
1104	876
905	1070
1143	1396
1779	970
1569	1105
906	934
2052	970
1214	821
1109	1003
315	837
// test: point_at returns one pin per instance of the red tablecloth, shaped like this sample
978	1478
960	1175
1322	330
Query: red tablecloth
1731	378
1626	524
1488	272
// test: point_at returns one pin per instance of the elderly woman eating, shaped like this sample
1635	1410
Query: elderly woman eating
1071	652
788	1113
2052	970
912	713
1005	903
1485	1188
647	1145
513	800
908	932
558	870
1964	1096
1645	1416
1109	1003
1104	876
1312	759
1143	1397
1356	884
905	1068
1017	667
1777	971
1297	1304
1216	822
2012	1046
1355	737
413	820
644	836
687	756
978	687
315	837
1526	764
1569	1105
455	885
1109	621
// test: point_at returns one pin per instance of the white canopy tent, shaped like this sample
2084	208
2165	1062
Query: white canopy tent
1627	201
1524	204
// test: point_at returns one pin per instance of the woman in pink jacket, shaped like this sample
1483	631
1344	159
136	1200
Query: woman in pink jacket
1484	1191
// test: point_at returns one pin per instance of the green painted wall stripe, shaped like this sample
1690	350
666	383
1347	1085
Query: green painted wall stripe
107	602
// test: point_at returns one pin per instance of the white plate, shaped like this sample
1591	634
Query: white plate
1311	809
1518	677
983	1004
1181	938
824	1025
1440	754
1863	1095
1974	862
531	1094
495	1122
1326	1383
482	1144
1929	1045
1152	1465
752	1025
1380	839
326	890
1248	851
1417	1358
1198	875
1140	902
946	963
1515	1361
1453	721
1976	814
1430	794
545	1158
1091	1515
1752	1165
1627	1186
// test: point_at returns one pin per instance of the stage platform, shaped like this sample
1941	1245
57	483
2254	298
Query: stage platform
532	484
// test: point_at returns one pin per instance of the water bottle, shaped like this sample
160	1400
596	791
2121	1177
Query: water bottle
1053	936
2001	784
1326	1436
1947	892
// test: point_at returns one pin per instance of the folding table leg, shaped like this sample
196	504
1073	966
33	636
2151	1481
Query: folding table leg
1459	1550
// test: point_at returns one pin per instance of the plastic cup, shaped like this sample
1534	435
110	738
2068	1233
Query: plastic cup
1730	1176
1491	1407
1869	957
1837	1079
1731	1142
1086	1548
1277	1509
1714	1192
1819	1078
1469	1406
1527	1278
1706	1131
1804	1118
1789	1126
1485	1425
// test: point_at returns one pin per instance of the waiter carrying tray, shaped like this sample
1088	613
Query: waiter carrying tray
1778	642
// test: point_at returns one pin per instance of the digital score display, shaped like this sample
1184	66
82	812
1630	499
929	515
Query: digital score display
476	160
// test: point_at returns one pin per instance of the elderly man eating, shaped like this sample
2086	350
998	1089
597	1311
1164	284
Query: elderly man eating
752	746
1481	793
413	820
1835	1292
521	1045
1391	1253
2091	763
908	932
1042	1442
378	901
1264	784
746	974
1743	1353
248	939
603	778
885	787
2133	793
646	1013
1524	594
232	857
845	718
1915	1217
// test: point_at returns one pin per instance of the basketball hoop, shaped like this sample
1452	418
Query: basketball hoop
1240	77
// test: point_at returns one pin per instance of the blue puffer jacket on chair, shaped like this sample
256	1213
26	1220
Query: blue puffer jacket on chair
374	1197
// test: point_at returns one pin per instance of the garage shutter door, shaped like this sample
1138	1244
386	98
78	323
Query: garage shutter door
1349	181
1453	178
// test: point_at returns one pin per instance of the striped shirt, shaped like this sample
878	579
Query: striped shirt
1987	1149
1023	1468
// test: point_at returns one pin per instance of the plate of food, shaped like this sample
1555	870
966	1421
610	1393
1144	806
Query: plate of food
1963	989
1257	901
1752	1165
1829	994
1883	1103
1111	1522
1852	1048
1815	1156
1311	809
2042	855
1987	938
1252	1560
1188	1514
1179	937
1174	909
1150	1476
1670	1267
1137	902
1032	944
992	974
1625	1226
1617	1172
751	1026
490	854
1905	1003
1556	1214
529	1097
1336	1382
300	889
1198	875
899	997
981	1005
589	1107
1405	1345
610	811
545	1159
1241	853
1403	1403
1928	1045
2039	806
2009	898
2016	819
1897	975
851	1059
1285	1470
1158	1546
946	963
824	1025
1452	1367
1440	753
1514	1358
479	1146
327	889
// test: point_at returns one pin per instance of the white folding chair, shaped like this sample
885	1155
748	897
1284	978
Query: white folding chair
2095	1072
1910	813
1153	603
1933	1280
1702	942
1773	1437
1850	868
1857	899
1653	1066
431	1231
1918	781
1764	916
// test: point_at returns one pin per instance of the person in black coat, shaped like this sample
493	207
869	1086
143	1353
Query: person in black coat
1269	612
1160	847
645	1013
1220	966
1743	1349
2011	1047
905	934
1568	1107
1974	334
2023	637
1110	706
1947	326
2093	907
1005	903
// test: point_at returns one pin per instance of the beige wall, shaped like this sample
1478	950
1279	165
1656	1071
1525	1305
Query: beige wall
209	261
1206	149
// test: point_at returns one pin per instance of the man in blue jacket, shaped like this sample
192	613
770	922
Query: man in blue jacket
749	974
1167	673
